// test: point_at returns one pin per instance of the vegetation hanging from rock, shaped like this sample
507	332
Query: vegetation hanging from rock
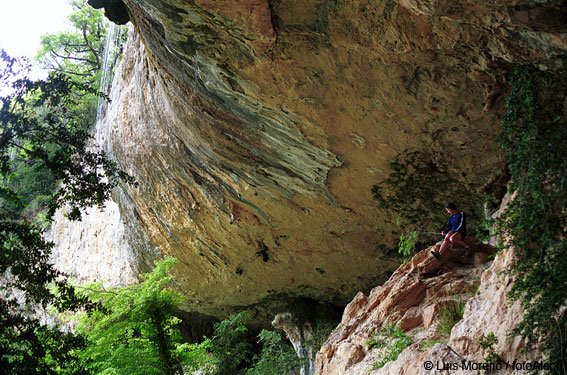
534	225
417	189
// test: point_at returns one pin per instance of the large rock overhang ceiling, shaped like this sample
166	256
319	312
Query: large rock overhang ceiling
257	128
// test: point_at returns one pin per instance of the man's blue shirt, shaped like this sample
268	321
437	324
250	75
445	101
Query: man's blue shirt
457	223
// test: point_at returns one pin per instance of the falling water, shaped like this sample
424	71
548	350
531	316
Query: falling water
109	59
99	247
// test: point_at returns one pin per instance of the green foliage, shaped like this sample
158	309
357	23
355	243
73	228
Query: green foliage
29	179
430	343
79	52
39	122
487	343
417	189
75	56
133	331
322	318
45	164
376	341
277	357
26	345
35	348
406	246
322	329
42	139
449	315
534	139
392	340
227	344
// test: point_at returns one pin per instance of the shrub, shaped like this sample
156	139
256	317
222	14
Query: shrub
393	340
407	242
487	343
133	331
227	345
277	356
449	315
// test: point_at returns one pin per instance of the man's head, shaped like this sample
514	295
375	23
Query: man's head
451	208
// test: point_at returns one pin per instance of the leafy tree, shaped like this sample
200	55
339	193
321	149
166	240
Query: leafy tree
45	162
39	121
228	347
277	356
134	331
79	52
39	124
84	53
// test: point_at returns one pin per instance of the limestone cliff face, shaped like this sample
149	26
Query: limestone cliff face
257	128
96	251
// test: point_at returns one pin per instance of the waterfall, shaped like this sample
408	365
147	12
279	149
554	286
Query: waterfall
106	73
98	248
111	51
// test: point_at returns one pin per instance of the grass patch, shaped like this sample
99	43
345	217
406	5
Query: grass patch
449	315
392	340
426	344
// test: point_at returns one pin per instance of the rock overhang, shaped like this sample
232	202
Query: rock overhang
257	128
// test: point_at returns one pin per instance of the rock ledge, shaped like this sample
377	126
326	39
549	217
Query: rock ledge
412	298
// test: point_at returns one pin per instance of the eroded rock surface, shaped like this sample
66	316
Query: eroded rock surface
301	339
257	128
94	252
412	299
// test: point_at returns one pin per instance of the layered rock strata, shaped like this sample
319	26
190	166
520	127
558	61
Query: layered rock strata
257	128
413	299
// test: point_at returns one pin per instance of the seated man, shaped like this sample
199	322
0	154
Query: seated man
455	232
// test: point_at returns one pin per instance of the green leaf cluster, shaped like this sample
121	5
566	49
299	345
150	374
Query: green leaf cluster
449	315
487	343
43	150
44	350
534	139
134	330
277	356
227	345
392	340
322	329
79	51
41	127
406	246
426	344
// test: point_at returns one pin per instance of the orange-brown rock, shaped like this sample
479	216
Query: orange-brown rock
257	128
473	280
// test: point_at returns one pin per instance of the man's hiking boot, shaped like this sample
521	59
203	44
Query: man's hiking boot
435	254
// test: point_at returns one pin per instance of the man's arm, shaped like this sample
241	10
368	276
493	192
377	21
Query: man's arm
461	221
